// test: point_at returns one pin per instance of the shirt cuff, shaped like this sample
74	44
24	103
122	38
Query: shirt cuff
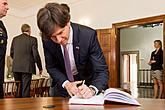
96	90
63	85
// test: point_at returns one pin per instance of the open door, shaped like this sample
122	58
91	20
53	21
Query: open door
107	41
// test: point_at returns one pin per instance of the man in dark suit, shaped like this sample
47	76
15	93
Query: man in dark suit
72	53
3	43
24	51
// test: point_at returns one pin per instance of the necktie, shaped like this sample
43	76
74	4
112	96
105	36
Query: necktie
67	64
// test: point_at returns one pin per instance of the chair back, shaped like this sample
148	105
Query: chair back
46	87
39	88
11	89
33	87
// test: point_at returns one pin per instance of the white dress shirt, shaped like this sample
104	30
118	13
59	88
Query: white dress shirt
69	47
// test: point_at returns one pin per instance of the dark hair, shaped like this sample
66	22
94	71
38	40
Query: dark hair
66	7
51	16
25	28
160	43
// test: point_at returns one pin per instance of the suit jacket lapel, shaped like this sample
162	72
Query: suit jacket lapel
76	47
2	28
56	50
59	52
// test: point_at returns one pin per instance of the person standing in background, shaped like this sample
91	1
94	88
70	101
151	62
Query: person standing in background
156	62
24	51
3	43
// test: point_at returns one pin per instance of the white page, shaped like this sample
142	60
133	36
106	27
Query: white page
95	100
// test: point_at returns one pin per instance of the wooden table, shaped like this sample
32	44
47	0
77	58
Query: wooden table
61	104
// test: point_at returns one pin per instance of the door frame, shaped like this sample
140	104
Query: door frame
131	52
142	21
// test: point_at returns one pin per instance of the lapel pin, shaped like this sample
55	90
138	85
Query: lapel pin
77	47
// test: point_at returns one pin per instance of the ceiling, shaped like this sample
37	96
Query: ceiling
24	4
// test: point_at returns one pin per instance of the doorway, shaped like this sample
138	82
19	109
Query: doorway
129	64
143	21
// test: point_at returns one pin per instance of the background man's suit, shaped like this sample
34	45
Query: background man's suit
3	44
88	56
24	51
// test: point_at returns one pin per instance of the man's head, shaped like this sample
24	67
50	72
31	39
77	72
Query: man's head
3	8
65	6
53	22
25	28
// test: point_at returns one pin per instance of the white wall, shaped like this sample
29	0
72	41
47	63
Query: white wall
102	13
141	39
97	14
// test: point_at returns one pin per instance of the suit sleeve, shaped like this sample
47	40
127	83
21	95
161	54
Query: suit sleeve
100	68
51	65
36	53
11	49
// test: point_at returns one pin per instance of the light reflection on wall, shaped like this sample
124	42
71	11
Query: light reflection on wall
133	75
84	21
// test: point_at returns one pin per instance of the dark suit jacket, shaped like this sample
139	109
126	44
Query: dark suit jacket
3	39
88	56
24	51
3	44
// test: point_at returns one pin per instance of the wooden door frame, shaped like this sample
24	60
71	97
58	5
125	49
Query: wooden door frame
120	25
131	52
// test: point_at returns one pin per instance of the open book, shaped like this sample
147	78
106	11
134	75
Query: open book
110	95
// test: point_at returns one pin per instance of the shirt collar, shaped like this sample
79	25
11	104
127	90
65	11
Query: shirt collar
70	40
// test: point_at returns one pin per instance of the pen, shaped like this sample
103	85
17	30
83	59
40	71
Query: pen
83	82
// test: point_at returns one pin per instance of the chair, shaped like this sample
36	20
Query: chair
46	87
33	87
126	87
39	88
11	89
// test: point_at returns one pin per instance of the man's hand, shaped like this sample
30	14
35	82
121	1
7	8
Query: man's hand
85	92
71	87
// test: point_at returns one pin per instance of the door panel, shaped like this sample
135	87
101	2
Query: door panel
107	41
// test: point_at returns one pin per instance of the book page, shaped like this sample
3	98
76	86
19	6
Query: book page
110	94
95	100
85	107
116	95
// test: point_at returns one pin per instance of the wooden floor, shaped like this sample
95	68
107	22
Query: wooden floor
145	92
